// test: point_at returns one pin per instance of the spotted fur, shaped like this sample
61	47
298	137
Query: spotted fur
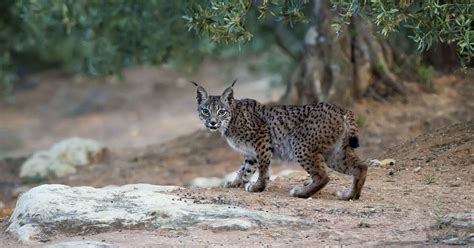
312	135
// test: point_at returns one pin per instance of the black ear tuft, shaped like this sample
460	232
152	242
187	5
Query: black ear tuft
227	96
195	84
233	83
201	95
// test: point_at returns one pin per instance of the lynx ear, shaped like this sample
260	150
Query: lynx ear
227	96
201	95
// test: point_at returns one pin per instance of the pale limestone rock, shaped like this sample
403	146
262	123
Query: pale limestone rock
78	151
231	225
51	209
375	162
285	173
298	176
206	182
388	162
82	244
63	158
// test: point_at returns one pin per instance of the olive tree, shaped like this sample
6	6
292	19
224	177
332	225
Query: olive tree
345	52
342	55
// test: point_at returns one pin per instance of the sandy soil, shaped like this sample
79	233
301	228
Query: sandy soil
399	206
400	203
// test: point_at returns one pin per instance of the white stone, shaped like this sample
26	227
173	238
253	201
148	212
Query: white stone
284	173
385	162
52	209
233	175
454	241
206	182
232	225
298	175
230	177
82	244
375	162
42	164
276	178
77	151
388	161
293	174
460	220
62	158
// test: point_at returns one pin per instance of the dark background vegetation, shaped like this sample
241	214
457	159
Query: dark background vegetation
103	37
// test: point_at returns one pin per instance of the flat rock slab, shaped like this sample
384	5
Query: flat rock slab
53	209
82	244
460	220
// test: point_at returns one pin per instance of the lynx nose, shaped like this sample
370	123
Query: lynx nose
213	123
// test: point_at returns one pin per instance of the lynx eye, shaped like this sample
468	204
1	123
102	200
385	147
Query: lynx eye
205	111
221	112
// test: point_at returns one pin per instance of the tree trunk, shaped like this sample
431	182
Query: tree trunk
345	68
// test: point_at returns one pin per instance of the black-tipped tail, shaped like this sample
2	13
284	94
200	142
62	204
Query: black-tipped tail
354	142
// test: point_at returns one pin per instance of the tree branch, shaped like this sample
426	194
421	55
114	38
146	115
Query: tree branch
287	42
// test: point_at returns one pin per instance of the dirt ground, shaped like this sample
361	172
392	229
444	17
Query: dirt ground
155	137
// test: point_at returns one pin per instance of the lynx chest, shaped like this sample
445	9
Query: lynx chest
242	147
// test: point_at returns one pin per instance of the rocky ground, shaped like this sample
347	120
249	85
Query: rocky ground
413	201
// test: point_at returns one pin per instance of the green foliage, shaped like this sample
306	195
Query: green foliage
101	37
94	37
360	120
226	21
425	74
97	37
430	21
34	180
429	179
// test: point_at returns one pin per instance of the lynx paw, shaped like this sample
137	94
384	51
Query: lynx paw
347	195
234	180
236	183
255	187
299	192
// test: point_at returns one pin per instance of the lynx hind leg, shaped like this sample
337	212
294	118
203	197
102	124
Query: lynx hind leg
347	162
246	171
315	167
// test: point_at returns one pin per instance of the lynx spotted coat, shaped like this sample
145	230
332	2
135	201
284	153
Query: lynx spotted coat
311	135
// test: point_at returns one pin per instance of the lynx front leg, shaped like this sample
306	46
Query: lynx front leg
264	154
246	171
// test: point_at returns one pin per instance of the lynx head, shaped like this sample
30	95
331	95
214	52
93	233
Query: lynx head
215	111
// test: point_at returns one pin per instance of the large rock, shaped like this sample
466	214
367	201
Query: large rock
459	220
63	158
206	182
82	244
54	209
